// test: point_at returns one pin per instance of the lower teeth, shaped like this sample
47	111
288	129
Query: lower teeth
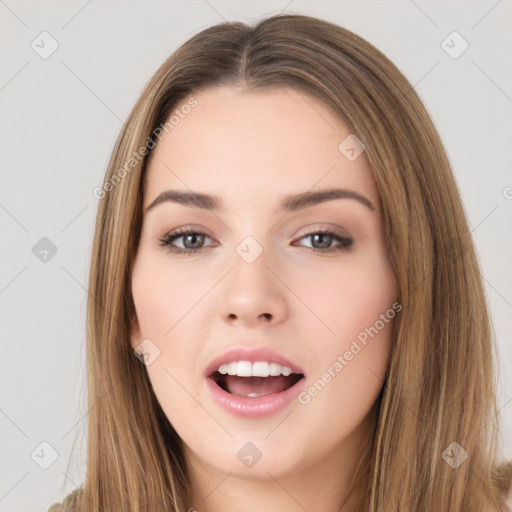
254	395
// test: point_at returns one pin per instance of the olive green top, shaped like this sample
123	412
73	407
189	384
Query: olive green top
70	499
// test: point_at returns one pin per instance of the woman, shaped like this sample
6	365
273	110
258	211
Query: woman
286	310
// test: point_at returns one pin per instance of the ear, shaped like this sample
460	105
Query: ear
135	334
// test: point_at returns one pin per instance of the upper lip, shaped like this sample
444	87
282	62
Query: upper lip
252	355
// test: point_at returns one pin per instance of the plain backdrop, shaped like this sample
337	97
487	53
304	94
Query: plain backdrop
61	114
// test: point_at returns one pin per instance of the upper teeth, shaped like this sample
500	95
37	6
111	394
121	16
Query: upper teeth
257	369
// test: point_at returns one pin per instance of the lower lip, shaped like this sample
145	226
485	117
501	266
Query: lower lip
256	407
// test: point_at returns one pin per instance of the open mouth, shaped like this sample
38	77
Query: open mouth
255	386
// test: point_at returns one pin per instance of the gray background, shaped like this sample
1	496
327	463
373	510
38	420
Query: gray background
61	116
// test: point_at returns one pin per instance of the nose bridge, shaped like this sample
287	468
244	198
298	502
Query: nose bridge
252	231
251	263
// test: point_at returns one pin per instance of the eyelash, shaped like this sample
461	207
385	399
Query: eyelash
166	241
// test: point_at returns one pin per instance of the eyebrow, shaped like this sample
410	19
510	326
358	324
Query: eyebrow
289	203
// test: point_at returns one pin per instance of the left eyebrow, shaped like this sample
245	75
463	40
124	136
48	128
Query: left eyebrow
304	200
289	203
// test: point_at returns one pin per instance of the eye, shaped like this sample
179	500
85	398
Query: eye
193	240
325	238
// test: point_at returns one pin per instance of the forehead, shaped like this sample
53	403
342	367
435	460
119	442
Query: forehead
252	146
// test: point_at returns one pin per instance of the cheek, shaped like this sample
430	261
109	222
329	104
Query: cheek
162	301
362	309
350	376
161	304
352	359
351	299
338	400
163	296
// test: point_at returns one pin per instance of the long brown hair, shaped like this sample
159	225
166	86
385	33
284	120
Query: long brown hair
440	387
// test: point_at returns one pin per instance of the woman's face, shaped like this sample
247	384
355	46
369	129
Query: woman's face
256	282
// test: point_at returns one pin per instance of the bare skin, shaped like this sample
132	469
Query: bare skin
251	150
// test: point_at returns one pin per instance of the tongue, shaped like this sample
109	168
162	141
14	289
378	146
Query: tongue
260	385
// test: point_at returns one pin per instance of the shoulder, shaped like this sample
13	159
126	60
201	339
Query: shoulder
69	502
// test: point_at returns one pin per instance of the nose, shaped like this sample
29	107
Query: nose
254	295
